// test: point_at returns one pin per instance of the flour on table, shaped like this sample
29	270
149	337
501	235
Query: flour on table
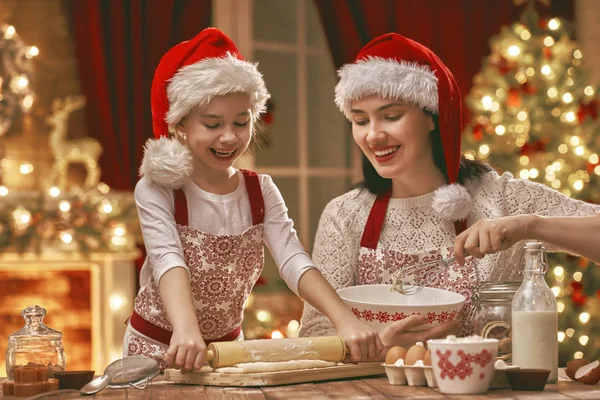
254	367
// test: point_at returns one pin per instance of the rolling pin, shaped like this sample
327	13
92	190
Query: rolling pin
226	354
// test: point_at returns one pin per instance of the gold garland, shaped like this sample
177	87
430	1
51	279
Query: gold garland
82	222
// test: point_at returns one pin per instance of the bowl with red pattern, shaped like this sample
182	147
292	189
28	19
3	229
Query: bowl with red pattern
378	306
463	365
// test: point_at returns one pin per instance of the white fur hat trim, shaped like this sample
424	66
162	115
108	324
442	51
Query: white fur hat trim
387	79
452	202
166	162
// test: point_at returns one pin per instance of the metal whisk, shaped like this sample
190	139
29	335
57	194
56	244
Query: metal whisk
411	279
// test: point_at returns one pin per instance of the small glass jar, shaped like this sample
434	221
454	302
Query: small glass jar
493	319
35	345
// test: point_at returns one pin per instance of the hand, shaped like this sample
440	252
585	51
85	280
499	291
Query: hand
362	341
396	333
490	236
187	350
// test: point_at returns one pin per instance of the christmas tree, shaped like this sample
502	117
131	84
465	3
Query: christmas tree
535	115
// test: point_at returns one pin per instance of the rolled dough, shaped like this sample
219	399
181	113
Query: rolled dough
247	368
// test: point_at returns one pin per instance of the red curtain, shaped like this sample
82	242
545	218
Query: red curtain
458	31
118	45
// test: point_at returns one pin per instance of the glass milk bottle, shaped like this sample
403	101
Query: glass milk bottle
535	316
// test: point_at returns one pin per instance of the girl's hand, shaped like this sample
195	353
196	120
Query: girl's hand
490	236
362	341
396	334
187	349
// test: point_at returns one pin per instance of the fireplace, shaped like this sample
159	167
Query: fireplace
87	298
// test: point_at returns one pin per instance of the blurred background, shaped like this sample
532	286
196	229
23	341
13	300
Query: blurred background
75	80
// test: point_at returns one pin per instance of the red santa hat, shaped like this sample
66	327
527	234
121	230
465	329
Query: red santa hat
190	75
394	67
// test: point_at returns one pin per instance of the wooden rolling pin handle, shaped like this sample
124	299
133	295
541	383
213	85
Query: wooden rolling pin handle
209	355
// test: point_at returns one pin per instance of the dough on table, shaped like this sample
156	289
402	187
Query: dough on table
254	367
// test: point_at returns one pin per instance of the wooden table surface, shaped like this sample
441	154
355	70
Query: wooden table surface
369	388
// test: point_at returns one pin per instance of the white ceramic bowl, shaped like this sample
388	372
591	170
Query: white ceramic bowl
378	306
462	367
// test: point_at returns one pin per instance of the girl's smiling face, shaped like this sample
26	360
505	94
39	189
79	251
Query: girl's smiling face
218	133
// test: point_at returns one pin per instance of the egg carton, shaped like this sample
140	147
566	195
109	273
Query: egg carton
411	375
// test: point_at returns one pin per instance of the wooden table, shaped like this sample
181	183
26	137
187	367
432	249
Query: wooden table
371	388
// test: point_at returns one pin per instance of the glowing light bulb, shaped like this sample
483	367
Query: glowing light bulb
546	70
514	51
584	317
567	97
486	101
276	335
64	206
523	160
554	24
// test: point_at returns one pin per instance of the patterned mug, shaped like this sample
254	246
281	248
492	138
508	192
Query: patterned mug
463	365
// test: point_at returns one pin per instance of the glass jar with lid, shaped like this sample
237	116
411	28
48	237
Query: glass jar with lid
493	319
35	345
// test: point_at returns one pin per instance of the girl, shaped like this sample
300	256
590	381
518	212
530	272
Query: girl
418	193
204	258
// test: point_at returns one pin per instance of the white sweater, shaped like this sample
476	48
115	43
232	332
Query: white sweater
411	226
228	214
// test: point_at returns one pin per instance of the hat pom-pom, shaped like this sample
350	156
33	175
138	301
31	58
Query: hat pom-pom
452	202
166	162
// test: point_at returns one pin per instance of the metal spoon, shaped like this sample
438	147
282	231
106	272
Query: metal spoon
95	385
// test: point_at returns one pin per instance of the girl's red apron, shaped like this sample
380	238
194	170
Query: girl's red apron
376	266
223	270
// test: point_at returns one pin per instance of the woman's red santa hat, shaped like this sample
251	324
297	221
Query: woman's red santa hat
191	74
397	68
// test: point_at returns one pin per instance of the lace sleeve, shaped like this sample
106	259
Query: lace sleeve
335	254
525	197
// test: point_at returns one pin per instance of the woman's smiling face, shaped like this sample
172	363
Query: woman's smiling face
393	135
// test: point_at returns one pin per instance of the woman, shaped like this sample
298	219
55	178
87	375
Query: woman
418	193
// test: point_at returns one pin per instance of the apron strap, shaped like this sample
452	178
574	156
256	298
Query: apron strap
257	203
370	236
181	210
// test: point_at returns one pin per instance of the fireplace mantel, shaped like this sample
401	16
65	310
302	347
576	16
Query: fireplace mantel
108	282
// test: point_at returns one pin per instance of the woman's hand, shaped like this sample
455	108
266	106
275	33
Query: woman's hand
363	342
396	334
187	349
490	236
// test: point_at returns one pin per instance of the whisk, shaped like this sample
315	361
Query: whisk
411	279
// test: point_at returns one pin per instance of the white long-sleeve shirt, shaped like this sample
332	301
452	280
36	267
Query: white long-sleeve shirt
228	214
411	226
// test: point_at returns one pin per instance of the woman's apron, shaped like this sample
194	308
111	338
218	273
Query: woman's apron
377	266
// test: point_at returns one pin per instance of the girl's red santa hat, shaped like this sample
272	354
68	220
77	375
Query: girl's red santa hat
397	68
191	74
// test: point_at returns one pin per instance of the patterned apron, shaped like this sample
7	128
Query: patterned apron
223	271
378	266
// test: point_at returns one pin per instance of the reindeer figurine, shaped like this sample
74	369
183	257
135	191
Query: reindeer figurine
66	151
